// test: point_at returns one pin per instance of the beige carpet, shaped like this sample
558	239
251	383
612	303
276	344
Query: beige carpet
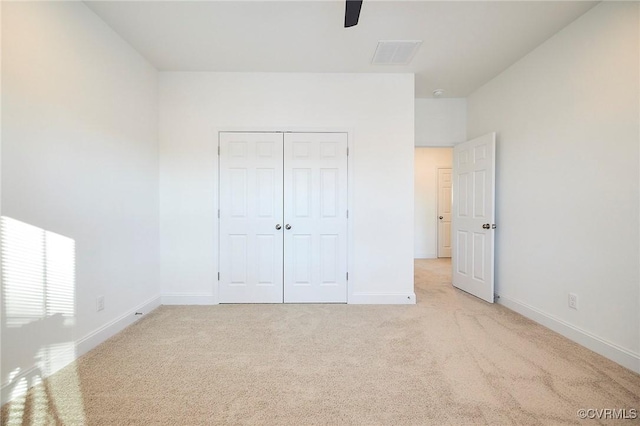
451	359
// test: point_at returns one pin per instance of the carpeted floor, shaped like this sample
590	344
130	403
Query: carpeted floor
450	359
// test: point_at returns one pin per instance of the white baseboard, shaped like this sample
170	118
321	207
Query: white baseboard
188	299
114	327
382	299
86	343
618	354
356	298
6	390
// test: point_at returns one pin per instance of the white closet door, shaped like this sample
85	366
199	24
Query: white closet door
251	246
315	188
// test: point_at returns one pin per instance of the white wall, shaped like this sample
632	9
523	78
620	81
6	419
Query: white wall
567	117
1	273
441	122
378	111
80	159
427	162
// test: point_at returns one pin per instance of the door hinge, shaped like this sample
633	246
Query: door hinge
347	276
218	150
347	214
347	151
218	213
218	276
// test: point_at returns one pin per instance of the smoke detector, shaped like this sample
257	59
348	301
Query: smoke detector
395	52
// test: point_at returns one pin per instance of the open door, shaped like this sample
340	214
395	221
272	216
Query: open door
473	221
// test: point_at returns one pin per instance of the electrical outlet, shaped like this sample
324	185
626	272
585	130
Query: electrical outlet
573	301
99	303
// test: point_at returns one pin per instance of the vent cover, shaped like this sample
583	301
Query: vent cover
395	52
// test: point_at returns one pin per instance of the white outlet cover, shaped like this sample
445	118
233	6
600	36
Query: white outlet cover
573	301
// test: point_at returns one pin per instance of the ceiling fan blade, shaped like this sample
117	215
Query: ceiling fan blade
352	13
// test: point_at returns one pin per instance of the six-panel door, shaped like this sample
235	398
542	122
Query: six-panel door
283	217
315	206
251	248
474	216
444	212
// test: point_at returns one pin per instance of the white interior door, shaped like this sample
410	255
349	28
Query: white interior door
473	219
251	211
444	212
315	187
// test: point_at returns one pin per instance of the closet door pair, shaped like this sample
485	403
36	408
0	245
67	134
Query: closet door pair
282	217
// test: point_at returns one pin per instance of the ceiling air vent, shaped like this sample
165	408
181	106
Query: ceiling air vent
395	52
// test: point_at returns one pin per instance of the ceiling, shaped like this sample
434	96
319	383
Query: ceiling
465	44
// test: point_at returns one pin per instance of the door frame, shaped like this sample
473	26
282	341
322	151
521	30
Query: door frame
350	191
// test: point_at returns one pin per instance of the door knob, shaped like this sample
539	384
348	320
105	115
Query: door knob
440	217
278	227
287	226
486	226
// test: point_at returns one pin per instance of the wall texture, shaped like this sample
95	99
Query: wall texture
80	165
427	162
377	110
568	180
441	122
